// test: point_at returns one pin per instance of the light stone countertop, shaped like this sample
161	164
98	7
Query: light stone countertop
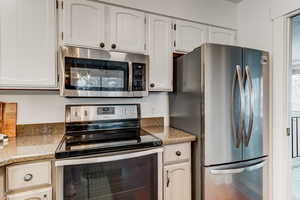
28	148
38	147
170	135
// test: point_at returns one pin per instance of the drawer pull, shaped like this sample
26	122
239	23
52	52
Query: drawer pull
178	153
28	177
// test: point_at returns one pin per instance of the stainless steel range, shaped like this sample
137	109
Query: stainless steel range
105	155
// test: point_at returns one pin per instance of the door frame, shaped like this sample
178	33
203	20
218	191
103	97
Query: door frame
281	170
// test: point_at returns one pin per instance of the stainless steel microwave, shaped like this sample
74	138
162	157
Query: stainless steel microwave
97	73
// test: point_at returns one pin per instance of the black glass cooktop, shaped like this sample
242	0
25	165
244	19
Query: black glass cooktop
97	143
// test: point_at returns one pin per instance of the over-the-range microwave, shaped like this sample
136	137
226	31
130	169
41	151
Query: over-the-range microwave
97	73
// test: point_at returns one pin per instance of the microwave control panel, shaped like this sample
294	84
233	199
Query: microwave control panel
138	76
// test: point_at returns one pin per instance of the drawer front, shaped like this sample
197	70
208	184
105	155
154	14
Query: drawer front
41	194
177	153
28	175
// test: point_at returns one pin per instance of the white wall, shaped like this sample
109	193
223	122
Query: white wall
217	12
255	24
282	7
47	107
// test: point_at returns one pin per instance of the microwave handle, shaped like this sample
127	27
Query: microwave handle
82	161
130	76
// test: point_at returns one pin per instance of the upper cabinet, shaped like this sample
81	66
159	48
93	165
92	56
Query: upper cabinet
188	35
127	30
94	25
160	53
28	44
221	36
84	23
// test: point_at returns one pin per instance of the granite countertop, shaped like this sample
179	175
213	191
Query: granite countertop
27	148
36	147
170	135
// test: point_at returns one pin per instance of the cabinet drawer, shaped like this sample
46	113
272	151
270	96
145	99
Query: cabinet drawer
41	194
28	175
177	153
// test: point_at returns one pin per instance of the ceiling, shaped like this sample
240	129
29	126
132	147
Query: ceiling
235	1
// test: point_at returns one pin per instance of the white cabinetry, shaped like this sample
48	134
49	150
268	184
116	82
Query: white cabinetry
28	44
40	194
84	23
189	35
127	30
178	181
221	36
177	172
160	52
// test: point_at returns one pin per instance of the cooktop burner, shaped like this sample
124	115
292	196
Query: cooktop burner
69	148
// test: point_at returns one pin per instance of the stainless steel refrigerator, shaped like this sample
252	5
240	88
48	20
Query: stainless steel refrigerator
221	96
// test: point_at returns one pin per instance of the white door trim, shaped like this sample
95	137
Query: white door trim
281	147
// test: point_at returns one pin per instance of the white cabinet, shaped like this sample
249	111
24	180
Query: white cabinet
177	182
189	36
177	171
40	194
28	44
127	30
84	23
160	53
221	36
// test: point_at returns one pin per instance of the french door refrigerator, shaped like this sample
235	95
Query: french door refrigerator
221	96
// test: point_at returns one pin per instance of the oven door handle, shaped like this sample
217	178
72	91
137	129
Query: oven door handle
101	159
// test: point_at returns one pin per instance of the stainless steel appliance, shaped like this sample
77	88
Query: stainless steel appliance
221	96
98	73
105	155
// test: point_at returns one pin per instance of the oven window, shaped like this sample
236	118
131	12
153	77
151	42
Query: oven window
95	75
129	179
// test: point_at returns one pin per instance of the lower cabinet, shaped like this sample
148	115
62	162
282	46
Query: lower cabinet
40	194
177	182
177	172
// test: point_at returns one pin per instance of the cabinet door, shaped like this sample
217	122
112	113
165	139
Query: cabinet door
160	49
177	181
189	35
84	23
127	30
40	194
27	44
221	36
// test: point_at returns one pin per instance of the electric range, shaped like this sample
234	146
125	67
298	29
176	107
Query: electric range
99	129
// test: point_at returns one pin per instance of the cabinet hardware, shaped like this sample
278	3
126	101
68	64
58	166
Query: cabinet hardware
178	153
113	46
152	85
174	43
56	4
174	27
168	178
62	35
102	45
62	5
28	177
145	46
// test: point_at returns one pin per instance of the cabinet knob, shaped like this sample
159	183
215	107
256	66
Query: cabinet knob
113	46
152	85
102	45
178	153
28	177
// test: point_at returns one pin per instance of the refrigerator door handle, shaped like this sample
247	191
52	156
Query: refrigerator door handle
251	106
251	167
237	132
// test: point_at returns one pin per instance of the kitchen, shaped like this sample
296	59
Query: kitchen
50	66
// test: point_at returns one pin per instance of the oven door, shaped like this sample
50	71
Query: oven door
128	176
